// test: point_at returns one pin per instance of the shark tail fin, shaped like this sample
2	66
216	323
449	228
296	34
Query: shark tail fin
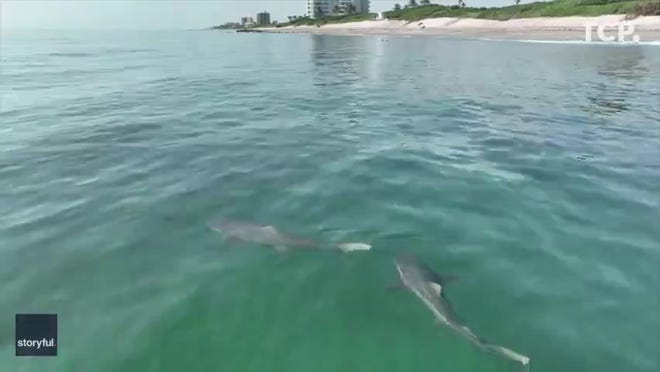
497	349
512	355
350	247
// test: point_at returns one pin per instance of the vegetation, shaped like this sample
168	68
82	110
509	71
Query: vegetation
227	26
306	21
645	8
557	8
413	11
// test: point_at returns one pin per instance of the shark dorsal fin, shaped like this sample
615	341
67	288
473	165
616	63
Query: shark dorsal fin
443	279
270	230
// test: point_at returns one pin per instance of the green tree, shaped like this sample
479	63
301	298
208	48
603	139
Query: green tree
318	12
336	9
350	8
461	3
397	7
425	2
412	3
517	2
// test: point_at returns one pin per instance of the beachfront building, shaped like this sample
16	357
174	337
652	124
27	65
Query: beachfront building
247	21
360	6
364	6
320	8
263	19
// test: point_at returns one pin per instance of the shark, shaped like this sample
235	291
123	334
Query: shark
270	236
427	286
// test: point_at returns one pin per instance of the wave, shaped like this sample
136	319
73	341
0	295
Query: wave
582	42
61	54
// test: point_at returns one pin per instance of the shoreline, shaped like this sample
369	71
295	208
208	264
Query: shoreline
544	28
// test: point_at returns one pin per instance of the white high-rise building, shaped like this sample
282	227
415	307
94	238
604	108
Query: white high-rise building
361	6
326	7
320	7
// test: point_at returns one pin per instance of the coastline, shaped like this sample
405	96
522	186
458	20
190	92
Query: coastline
543	28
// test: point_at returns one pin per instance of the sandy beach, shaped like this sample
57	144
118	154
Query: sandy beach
555	28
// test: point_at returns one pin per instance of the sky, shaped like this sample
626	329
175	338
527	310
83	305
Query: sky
161	14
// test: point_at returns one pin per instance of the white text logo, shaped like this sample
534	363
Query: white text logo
36	343
623	29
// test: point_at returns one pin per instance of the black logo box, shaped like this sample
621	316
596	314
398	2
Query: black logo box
36	334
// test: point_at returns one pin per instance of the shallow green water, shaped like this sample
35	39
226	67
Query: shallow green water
531	170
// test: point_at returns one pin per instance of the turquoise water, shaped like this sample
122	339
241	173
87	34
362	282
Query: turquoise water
530	170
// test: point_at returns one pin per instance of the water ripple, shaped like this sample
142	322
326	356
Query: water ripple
530	169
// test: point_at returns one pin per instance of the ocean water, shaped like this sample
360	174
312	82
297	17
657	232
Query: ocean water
530	170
